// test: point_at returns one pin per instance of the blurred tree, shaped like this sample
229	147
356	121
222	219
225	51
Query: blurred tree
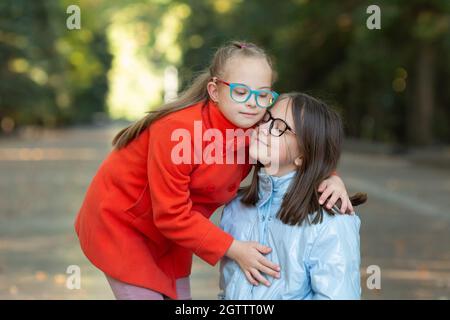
391	85
50	75
27	56
385	81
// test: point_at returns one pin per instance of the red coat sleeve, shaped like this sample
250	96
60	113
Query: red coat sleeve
171	202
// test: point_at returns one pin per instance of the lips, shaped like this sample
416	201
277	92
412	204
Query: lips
248	114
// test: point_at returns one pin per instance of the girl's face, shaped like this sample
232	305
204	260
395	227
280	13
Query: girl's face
279	155
254	73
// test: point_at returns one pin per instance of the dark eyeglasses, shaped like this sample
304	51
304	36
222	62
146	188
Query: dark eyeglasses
278	126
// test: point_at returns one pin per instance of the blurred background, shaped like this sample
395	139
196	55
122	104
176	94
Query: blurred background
65	93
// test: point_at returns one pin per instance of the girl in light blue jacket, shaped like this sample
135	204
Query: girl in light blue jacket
297	145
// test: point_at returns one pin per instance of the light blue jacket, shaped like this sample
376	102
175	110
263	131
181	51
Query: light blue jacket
318	261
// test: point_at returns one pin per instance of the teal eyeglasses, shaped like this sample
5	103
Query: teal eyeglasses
241	93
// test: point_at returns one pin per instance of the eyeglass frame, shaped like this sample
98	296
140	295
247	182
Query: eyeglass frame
251	91
272	119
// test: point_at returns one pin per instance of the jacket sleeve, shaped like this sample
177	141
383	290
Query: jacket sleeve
334	260
171	203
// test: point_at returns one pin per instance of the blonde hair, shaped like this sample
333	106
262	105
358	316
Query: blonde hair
196	92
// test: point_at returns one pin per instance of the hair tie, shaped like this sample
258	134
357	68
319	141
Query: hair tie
241	46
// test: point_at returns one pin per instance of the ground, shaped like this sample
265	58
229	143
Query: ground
44	175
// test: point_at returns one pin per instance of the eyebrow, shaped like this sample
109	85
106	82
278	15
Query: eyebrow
263	87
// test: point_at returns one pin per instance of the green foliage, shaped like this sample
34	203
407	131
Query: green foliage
49	75
324	47
390	85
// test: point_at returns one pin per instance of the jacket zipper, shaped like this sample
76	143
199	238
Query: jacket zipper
265	218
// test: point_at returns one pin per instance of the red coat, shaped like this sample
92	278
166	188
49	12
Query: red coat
143	216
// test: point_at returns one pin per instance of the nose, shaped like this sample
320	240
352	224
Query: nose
251	102
264	128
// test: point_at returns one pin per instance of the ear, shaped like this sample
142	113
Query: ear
212	90
298	161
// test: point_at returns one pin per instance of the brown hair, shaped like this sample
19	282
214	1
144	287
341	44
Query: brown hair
319	135
196	92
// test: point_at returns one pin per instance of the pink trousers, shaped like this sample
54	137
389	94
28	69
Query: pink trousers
125	291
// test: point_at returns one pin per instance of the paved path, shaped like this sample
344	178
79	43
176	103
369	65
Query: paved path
405	225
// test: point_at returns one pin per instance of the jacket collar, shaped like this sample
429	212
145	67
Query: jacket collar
272	187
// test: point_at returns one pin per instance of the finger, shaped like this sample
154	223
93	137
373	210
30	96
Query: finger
268	271
350	207
262	248
344	203
256	275
250	278
325	195
269	264
332	200
348	211
322	186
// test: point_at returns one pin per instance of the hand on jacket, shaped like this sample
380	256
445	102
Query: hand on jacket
249	257
334	189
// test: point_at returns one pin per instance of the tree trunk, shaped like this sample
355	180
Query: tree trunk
420	129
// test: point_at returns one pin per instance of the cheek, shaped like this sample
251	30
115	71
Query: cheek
253	151
225	99
278	152
293	148
225	103
227	110
259	151
260	115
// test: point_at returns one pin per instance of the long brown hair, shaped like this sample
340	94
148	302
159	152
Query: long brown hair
196	92
319	135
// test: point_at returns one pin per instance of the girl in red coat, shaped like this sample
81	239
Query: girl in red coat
146	212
